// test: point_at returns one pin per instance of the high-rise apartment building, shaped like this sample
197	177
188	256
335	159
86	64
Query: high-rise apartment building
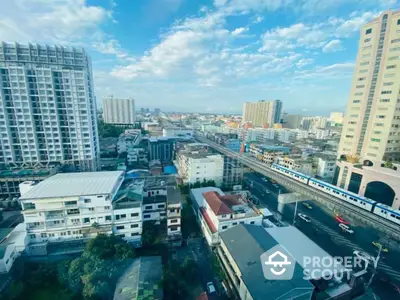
371	124
119	111
262	113
47	107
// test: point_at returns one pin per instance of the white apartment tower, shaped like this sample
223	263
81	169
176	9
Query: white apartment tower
371	125
47	107
262	113
119	111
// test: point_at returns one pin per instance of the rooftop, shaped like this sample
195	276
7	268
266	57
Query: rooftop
156	182
75	184
246	243
173	195
141	280
256	240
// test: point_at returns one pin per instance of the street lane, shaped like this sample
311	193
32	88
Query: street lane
324	231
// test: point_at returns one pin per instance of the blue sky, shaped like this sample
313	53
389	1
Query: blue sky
206	55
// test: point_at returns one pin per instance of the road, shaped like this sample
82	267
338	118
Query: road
11	219
324	231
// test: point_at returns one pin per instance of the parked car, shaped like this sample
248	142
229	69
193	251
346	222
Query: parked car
211	288
346	228
307	205
304	218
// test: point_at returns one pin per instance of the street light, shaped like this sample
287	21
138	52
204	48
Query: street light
375	266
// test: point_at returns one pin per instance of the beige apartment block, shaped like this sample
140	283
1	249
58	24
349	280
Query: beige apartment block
371	124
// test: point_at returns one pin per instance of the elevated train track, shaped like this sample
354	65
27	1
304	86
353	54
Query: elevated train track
392	230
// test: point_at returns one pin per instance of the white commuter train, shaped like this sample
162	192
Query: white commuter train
364	203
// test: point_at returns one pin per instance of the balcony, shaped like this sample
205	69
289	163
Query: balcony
173	214
55	216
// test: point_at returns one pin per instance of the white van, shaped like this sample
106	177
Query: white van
346	228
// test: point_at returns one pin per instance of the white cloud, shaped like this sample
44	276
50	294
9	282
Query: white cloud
62	21
339	70
239	31
112	47
348	27
218	3
333	46
259	19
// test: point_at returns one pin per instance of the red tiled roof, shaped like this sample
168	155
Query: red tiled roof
208	220
203	296
216	203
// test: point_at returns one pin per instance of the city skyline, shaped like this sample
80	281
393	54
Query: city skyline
211	55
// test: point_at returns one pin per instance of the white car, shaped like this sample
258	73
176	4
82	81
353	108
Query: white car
363	255
210	288
346	228
304	218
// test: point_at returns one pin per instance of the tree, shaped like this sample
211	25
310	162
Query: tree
95	272
109	130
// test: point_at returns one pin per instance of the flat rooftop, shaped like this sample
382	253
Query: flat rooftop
75	184
156	182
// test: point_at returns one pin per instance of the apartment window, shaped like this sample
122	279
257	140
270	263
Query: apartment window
395	41
389	75
386	92
86	220
135	233
358	94
146	216
367	40
398	22
160	206
368	31
349	136
91	208
361	78
148	207
363	71
387	83
43	235
120	227
364	63
356	101
380	116
379	124
106	207
360	86
384	100
393	57
375	140
174	221
32	236
123	216
390	67
134	225
87	200
252	222
377	132
134	215
224	227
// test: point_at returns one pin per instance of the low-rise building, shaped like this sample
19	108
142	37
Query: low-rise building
129	139
267	153
286	136
296	163
196	166
162	149
217	212
12	244
240	250
177	132
324	165
73	206
174	207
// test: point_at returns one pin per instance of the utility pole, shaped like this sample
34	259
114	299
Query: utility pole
295	212
375	266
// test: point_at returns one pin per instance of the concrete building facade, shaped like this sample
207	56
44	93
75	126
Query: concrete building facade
371	124
47	107
262	113
119	111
